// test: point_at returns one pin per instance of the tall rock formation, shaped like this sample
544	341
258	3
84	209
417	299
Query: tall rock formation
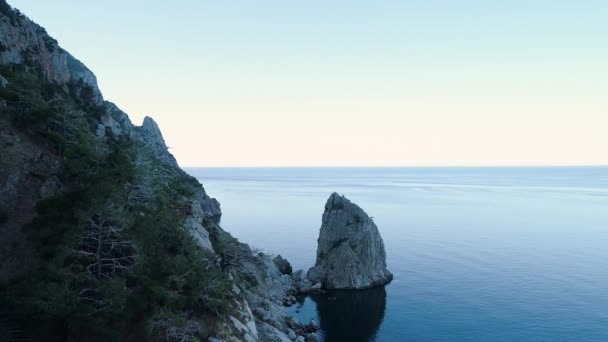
350	252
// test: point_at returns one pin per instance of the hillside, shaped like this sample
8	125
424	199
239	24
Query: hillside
104	236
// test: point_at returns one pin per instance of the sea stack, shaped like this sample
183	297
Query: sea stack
350	251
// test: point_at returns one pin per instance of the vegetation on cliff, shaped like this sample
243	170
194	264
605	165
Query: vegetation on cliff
106	255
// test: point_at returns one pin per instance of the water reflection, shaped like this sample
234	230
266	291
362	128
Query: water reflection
351	315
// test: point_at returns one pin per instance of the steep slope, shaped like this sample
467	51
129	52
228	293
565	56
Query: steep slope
104	236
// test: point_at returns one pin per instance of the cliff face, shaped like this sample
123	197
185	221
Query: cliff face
32	163
30	166
350	252
24	42
104	236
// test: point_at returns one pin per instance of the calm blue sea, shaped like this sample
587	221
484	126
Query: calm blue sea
478	254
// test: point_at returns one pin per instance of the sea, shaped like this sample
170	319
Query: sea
478	253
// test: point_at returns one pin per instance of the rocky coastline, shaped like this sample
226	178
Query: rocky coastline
350	256
55	127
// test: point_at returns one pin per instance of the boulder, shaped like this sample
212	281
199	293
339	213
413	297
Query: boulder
312	326
350	251
282	264
3	82
299	275
311	338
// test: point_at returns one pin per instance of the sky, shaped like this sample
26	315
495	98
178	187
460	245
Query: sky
351	83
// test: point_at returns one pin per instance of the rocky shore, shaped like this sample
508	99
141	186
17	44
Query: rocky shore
350	255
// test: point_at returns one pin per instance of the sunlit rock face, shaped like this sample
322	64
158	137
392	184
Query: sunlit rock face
350	252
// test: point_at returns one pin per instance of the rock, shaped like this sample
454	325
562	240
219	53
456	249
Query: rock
3	82
291	334
242	321
301	283
151	136
300	275
236	290
307	288
108	121
289	300
311	327
211	206
271	334
24	41
267	304
100	132
153	131
194	226
350	251
282	264
117	120
293	323
263	314
311	338
316	274
260	312
300	339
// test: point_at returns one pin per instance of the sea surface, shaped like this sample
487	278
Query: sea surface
478	254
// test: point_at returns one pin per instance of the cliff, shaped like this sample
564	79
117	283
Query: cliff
104	236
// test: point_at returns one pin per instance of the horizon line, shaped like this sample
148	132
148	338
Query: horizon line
392	166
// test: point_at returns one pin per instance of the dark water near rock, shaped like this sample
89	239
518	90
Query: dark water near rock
478	254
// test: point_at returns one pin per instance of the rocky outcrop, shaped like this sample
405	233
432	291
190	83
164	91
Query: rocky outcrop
24	42
282	264
273	291
350	252
194	225
150	134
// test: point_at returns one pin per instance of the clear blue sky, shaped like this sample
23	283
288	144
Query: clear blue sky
288	83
